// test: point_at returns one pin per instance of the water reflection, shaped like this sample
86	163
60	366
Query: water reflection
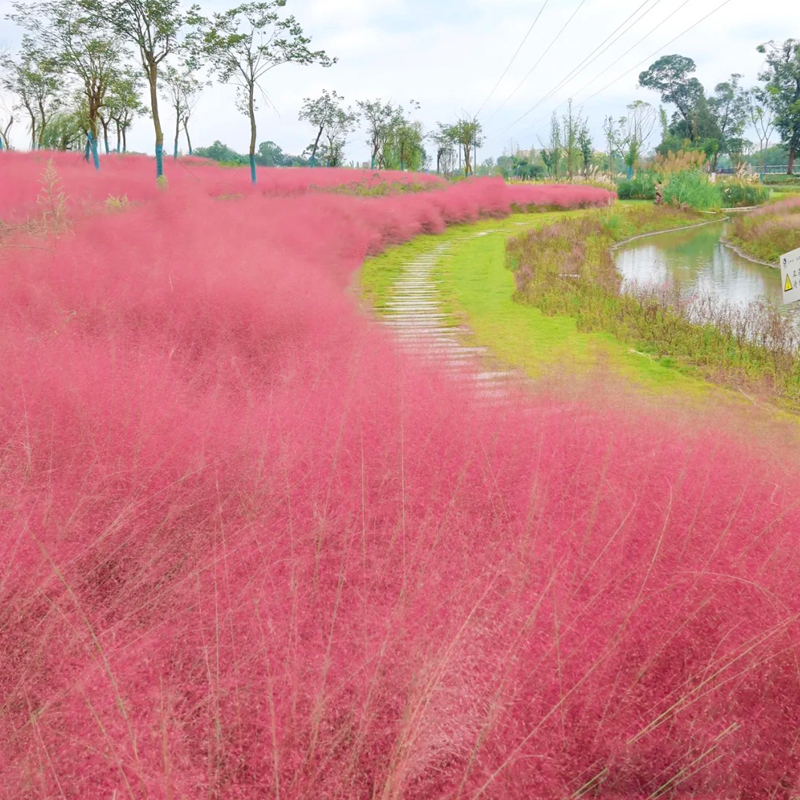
699	264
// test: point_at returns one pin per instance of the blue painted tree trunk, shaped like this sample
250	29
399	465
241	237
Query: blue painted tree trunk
253	169
159	161
88	150
1	144
175	154
95	155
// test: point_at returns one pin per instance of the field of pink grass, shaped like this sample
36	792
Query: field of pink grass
248	550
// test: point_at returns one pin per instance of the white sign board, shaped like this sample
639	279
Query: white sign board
790	276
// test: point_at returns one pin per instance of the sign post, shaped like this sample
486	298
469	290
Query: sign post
790	276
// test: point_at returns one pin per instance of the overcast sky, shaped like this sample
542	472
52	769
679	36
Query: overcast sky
449	54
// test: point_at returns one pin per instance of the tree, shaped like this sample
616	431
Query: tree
322	113
637	126
670	76
152	26
76	47
614	142
67	129
762	118
782	79
403	145
522	164
222	153
4	129
244	43
181	89
729	105
571	124
123	104
585	146
340	126
467	134
378	117
270	155
551	154
445	148
34	78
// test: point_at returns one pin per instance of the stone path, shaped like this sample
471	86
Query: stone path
416	319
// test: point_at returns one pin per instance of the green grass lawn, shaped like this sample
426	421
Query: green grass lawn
477	290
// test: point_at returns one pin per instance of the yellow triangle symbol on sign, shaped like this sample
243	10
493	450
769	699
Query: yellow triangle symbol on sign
787	287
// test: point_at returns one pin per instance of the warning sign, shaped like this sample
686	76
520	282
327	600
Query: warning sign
790	275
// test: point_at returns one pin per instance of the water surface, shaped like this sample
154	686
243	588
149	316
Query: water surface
697	262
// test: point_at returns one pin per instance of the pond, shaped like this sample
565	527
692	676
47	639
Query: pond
698	263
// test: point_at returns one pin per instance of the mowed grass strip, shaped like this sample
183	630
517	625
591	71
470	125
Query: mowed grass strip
477	290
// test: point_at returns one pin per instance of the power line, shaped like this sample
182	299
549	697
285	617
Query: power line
593	56
656	52
647	58
633	47
513	58
546	51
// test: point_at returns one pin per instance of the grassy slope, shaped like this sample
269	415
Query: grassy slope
477	290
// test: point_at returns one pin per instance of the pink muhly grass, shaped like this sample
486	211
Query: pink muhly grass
250	551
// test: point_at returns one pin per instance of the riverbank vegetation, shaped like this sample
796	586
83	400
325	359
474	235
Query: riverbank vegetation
692	187
769	232
567	268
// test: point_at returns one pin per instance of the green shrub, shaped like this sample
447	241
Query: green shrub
641	186
793	180
692	188
736	194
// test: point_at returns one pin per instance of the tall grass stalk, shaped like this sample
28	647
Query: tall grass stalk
306	565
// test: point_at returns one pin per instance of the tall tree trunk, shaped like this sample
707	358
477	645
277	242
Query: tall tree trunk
105	122
188	138
312	160
33	129
251	108
152	79
792	154
124	139
42	126
119	134
177	133
94	108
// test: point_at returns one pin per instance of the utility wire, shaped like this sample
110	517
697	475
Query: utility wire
593	56
633	47
546	51
513	58
656	52
647	58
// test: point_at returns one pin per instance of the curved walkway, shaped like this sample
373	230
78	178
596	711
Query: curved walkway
416	318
